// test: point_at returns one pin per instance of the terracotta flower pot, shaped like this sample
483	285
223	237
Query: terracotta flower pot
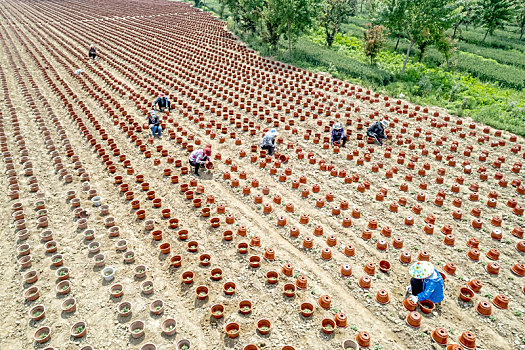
519	270
42	335
450	268
409	305
468	340
169	327
466	294
426	306
183	344
78	330
272	277
146	287
254	261
370	268
69	305
363	339
492	268
440	336
124	309
328	326
264	326
136	329
484	308
301	282
501	301
37	312
382	297
232	330
365	282
414	319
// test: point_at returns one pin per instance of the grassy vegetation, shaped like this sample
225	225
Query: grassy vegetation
486	81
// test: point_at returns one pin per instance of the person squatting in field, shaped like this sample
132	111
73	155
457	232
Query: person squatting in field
92	52
154	124
163	102
377	131
426	283
199	158
338	134
268	141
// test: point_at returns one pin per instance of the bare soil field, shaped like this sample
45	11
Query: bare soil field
109	241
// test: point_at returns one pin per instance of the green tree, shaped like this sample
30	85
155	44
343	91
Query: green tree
391	14
271	23
335	12
423	23
464	14
446	45
493	14
374	37
519	18
296	16
246	13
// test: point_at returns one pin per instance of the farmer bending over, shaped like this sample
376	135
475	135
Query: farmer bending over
268	141
92	52
199	158
377	131
163	102
338	134
154	124
426	283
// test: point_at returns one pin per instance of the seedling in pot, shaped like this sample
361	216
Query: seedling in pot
328	327
79	329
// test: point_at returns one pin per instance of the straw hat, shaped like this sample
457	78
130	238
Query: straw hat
385	123
338	126
421	270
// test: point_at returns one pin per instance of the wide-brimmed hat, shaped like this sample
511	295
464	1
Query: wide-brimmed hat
421	269
161	94
384	122
272	133
338	126
151	112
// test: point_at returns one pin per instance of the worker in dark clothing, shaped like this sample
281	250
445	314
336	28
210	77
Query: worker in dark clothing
338	134
92	52
163	102
377	131
154	124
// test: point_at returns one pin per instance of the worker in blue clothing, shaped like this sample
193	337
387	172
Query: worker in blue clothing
426	283
163	102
